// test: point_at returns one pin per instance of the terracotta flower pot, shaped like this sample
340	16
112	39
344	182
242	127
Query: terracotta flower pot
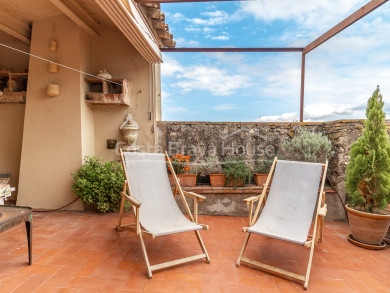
261	178
186	180
219	180
366	227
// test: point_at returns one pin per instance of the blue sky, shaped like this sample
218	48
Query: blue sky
341	74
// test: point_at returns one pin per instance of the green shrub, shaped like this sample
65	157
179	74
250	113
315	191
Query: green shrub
99	183
237	170
368	171
263	166
307	146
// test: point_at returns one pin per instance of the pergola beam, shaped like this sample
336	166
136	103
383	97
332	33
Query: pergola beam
358	14
76	13
302	88
231	50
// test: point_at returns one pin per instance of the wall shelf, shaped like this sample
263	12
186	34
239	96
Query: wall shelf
13	87
102	92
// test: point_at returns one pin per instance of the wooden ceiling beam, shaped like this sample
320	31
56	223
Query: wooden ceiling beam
79	16
358	14
14	27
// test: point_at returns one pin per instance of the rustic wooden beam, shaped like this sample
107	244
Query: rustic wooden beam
76	13
164	34
302	88
206	50
358	14
14	27
158	24
155	13
168	43
154	5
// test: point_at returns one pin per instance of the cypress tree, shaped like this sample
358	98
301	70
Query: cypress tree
368	171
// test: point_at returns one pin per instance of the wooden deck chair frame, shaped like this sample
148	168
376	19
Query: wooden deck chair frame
311	243
140	232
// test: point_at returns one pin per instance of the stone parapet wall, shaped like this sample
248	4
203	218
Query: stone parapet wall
253	140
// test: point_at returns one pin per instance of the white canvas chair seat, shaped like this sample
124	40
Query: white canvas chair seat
287	215
291	202
155	209
159	213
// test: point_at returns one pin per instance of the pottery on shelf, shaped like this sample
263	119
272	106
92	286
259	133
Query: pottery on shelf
104	74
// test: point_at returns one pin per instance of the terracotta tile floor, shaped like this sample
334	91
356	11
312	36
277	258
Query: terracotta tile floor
82	252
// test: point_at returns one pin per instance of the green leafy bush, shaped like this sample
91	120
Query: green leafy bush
368	171
99	183
307	146
237	170
263	166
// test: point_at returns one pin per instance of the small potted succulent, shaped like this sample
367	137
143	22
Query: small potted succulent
261	172
212	166
368	179
237	172
181	166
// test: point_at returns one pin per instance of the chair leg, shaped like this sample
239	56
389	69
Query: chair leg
121	213
202	245
309	267
149	271
243	249
29	239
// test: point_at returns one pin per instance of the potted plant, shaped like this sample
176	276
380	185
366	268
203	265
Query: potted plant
237	172
261	172
181	166
99	183
368	178
212	166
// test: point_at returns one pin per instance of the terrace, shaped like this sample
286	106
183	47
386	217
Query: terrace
82	252
47	134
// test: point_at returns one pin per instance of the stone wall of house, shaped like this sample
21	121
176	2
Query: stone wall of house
255	140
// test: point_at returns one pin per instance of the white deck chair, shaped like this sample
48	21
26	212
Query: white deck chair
288	212
154	205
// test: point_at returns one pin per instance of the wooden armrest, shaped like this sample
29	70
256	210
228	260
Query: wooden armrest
322	211
251	199
132	199
194	195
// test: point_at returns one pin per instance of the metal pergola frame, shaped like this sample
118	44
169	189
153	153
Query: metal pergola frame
358	14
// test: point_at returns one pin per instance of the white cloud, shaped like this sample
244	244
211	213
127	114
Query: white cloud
175	109
225	107
322	111
315	112
285	117
165	94
171	66
218	81
174	17
219	38
182	42
313	14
